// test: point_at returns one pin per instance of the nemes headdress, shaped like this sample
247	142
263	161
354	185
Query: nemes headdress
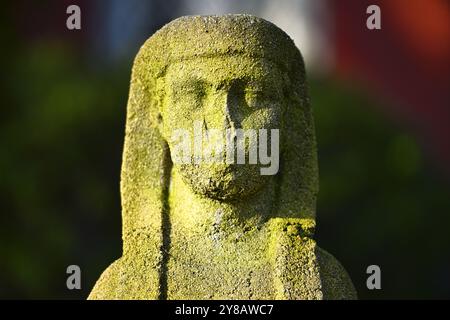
301	270
146	159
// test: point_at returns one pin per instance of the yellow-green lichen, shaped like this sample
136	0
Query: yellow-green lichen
210	231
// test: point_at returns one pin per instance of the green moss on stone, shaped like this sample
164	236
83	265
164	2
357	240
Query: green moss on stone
213	231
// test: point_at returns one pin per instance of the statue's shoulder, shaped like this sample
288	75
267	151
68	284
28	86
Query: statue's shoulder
127	278
336	283
106	287
302	269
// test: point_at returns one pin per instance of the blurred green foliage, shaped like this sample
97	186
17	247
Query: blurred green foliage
62	129
381	200
62	134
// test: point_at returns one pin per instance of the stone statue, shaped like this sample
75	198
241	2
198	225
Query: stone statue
219	230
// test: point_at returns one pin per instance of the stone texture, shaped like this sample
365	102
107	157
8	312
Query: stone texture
214	231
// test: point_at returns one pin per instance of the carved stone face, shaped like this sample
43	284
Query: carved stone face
223	92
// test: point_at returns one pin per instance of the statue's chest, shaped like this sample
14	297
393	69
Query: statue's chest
216	268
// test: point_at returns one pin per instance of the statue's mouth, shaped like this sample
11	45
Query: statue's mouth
224	182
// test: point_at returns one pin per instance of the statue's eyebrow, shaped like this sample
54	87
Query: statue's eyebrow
189	82
238	81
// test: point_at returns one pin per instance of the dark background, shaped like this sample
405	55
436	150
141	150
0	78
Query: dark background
381	103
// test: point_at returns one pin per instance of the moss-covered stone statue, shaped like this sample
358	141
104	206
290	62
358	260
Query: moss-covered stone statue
219	230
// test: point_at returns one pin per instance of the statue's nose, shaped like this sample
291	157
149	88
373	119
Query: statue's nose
228	107
225	112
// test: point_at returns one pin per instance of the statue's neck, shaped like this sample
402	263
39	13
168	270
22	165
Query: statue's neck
194	213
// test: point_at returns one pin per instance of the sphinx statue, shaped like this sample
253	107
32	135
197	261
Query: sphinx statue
219	230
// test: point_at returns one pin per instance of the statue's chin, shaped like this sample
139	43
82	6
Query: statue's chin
223	182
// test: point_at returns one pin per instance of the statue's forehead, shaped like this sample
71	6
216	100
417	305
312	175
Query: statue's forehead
223	67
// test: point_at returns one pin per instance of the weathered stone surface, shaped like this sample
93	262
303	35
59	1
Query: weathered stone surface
218	231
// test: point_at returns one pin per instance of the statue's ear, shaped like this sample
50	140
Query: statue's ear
298	184
146	163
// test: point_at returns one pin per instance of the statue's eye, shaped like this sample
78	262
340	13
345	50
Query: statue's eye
188	91
254	98
261	96
196	91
